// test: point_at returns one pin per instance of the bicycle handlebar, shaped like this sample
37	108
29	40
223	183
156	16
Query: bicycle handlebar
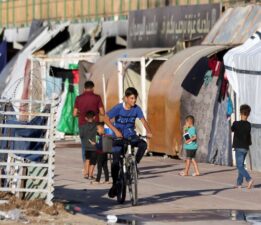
130	138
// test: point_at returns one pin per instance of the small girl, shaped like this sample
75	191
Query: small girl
190	146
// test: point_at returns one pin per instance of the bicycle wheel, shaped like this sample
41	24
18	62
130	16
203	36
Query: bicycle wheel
121	188
133	184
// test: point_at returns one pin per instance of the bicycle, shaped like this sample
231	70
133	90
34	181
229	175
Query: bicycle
128	175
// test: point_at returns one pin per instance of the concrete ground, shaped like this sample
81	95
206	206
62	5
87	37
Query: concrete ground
164	196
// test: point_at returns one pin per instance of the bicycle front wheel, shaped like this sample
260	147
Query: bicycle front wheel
121	188
133	184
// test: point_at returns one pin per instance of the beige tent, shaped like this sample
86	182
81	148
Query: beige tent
164	103
110	85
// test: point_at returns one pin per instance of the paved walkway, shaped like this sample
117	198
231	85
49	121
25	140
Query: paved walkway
164	196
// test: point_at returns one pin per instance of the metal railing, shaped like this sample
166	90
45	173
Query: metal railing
17	171
20	13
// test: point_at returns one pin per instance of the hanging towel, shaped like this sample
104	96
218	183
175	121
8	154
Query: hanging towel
208	78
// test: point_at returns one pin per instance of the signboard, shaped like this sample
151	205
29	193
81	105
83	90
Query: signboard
162	27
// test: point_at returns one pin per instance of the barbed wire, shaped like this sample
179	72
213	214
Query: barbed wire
36	86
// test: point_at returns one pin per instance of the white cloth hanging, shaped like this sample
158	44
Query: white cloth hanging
243	69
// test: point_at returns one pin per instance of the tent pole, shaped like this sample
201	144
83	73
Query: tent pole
143	89
120	80
104	92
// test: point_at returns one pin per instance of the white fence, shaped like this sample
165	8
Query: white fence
20	175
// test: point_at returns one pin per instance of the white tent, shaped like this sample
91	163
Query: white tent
243	69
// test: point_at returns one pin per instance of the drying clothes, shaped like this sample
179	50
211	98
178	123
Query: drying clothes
3	55
223	83
53	85
71	75
68	123
195	78
229	107
215	65
208	78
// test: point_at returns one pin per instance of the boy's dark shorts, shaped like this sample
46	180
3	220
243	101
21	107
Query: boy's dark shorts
191	154
92	156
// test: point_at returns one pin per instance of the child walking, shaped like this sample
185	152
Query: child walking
102	157
190	146
241	143
87	133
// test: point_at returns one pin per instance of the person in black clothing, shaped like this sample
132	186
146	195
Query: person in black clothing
87	135
102	157
241	143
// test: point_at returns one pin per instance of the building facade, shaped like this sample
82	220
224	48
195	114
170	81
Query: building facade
20	13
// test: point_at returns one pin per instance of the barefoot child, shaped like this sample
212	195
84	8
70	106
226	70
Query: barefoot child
190	146
241	143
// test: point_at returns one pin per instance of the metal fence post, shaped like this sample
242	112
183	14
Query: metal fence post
112	9
41	9
13	13
26	12
64	10
89	9
51	158
33	9
7	14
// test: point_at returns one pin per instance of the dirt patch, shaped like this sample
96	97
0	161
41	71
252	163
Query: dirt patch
30	208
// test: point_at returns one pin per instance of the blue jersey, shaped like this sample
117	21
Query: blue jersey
125	119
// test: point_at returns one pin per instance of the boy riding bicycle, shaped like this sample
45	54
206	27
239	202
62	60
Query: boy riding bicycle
124	116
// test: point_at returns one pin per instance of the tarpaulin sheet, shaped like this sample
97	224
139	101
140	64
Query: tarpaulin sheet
243	68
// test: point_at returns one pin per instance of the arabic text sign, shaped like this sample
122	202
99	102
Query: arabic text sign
162	27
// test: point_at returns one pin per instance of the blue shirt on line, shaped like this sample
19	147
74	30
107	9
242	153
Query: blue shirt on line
125	119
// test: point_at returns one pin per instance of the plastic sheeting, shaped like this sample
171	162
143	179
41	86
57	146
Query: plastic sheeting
201	107
255	150
243	70
235	26
13	85
219	148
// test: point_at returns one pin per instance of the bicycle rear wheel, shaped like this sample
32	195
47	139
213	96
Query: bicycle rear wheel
133	184
121	188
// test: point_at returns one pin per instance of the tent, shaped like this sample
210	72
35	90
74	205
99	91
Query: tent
169	103
243	70
111	79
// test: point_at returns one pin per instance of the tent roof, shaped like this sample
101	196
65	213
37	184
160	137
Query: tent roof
235	26
108	64
107	67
